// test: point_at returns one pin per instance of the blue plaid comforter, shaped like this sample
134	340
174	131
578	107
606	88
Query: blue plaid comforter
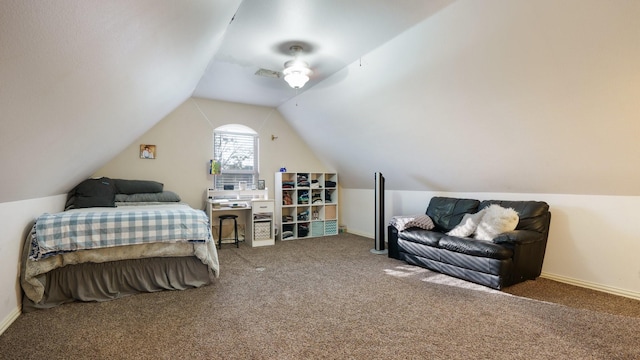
100	228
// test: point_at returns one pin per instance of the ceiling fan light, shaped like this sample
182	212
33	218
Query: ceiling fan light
296	73
296	80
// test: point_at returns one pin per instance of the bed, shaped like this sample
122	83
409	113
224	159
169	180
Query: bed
116	238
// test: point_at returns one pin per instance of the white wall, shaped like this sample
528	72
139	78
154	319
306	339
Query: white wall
184	141
593	240
16	219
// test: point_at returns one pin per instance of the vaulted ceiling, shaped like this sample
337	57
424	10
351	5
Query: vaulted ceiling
331	33
519	96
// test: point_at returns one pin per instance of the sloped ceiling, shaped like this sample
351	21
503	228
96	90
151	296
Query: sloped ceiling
498	96
80	80
83	79
489	96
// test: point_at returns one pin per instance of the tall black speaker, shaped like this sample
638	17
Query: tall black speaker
379	214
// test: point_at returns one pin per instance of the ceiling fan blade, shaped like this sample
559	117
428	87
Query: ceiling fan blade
268	73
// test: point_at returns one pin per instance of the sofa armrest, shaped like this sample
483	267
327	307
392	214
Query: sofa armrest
528	253
392	240
520	237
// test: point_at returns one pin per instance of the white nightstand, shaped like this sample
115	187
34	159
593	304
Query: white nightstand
263	232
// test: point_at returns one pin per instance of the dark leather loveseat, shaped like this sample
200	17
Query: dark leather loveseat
509	258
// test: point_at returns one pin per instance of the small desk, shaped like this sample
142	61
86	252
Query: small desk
244	220
256	219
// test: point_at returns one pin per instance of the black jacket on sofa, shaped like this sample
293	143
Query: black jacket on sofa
510	258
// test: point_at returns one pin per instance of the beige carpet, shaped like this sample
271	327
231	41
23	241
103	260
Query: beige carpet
330	298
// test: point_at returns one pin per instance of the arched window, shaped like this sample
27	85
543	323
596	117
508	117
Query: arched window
235	147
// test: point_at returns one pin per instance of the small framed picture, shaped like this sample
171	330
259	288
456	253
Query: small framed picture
147	151
260	184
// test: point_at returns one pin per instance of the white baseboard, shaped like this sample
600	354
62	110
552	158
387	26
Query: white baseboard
593	286
7	321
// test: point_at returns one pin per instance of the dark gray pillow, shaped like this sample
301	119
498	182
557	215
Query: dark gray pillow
92	193
165	196
137	186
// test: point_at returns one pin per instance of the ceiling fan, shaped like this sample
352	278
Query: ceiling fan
296	72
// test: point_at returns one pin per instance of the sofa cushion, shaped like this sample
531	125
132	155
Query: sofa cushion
474	247
421	236
533	214
496	220
420	221
446	212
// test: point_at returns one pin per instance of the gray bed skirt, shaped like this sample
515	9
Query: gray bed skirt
116	279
